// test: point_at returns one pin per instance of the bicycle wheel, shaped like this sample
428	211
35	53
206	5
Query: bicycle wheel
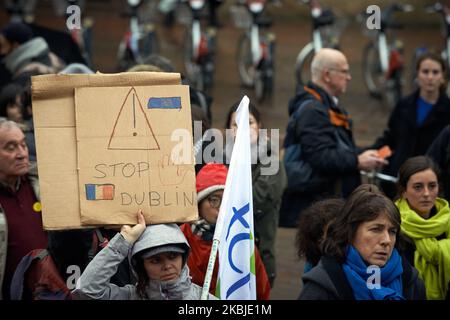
208	73
207	61
245	65
193	70
259	85
125	58
150	44
303	64
270	67
394	88
373	75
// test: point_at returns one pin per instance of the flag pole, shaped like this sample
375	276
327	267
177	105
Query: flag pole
214	249
209	270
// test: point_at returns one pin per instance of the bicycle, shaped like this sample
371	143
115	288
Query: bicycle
256	52
382	60
199	49
139	41
444	11
325	34
377	178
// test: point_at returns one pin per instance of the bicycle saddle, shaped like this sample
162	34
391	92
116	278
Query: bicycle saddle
263	22
326	18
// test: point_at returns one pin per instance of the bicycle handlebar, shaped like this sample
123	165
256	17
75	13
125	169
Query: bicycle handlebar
439	8
434	8
380	176
387	13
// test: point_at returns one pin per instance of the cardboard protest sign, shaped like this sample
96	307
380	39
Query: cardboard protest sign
55	135
125	155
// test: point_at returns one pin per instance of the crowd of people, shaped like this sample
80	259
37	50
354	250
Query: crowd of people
359	241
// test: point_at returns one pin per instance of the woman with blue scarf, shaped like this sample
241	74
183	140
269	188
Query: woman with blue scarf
360	261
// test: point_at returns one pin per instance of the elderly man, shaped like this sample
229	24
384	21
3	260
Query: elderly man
319	137
20	210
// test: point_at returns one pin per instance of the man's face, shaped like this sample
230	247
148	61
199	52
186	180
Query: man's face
13	154
5	46
338	76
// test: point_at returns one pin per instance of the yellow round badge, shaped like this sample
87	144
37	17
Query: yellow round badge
37	207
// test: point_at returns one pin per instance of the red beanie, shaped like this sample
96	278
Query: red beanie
210	178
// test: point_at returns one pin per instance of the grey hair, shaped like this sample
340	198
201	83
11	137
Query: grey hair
8	124
325	58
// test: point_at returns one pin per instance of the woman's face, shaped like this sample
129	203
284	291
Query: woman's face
164	266
375	240
254	127
421	192
209	207
14	111
430	76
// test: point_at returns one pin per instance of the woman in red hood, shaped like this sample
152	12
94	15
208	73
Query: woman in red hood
210	185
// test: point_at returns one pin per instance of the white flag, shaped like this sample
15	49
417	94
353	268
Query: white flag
236	278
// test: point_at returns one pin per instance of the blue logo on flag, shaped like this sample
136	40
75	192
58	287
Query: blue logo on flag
238	215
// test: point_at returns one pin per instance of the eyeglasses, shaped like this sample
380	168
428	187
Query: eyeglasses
343	71
215	201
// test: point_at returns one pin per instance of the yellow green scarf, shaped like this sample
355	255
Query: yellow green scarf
432	257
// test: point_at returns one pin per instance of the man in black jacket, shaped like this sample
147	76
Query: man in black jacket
439	151
323	130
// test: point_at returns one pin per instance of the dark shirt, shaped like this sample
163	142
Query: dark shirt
25	231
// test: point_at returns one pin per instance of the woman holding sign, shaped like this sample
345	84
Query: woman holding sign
158	255
210	185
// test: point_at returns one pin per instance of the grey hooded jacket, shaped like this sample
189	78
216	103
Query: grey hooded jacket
33	55
94	283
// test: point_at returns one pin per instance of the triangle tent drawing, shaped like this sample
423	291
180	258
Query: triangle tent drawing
132	130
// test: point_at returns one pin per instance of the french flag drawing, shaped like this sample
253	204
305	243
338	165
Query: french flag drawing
99	191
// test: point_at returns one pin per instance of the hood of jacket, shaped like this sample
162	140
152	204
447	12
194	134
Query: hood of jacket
304	95
181	288
26	53
159	235
321	277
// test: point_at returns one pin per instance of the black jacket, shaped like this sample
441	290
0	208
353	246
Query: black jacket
327	146
405	138
327	281
439	151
